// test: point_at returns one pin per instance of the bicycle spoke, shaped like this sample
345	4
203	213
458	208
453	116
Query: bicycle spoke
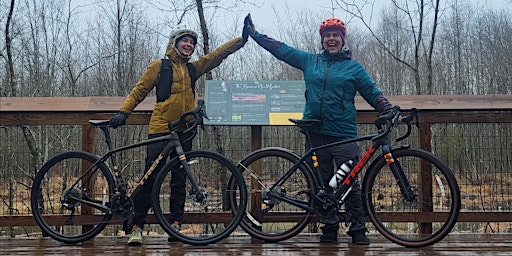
77	213
273	212
206	214
427	218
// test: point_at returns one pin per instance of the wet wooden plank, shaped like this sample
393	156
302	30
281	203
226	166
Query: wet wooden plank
77	110
28	220
92	104
454	244
69	104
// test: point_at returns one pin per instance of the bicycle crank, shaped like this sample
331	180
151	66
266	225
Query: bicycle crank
325	204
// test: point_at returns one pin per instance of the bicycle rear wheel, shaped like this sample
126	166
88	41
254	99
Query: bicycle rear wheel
273	213
426	219
58	204
209	215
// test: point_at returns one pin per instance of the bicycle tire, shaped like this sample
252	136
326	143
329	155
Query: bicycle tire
420	222
210	221
48	200
283	220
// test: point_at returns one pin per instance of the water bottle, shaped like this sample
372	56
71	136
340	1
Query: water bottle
340	174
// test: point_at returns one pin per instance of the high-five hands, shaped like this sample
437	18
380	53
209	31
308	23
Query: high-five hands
248	29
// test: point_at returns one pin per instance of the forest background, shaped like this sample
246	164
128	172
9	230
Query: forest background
68	48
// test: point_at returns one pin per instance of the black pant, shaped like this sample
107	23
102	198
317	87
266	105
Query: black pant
328	159
142	200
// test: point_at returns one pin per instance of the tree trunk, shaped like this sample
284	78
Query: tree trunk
206	45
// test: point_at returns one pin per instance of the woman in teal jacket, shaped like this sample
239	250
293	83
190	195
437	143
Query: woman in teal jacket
332	80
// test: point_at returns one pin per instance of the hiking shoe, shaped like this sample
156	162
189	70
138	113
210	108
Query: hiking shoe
176	225
135	236
359	237
329	238
329	233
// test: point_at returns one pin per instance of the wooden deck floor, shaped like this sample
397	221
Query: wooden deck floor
454	244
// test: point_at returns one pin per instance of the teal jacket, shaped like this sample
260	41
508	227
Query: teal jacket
332	82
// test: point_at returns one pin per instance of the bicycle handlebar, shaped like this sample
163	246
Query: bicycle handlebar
413	114
391	118
188	124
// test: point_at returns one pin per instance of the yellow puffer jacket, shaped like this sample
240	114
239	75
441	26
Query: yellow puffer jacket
182	96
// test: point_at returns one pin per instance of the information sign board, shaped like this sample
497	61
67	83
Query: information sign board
253	102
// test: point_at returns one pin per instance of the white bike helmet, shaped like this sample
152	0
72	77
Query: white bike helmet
180	31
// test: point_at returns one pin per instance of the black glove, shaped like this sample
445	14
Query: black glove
118	120
248	29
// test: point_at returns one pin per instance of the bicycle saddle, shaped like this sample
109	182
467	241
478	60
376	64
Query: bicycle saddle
304	122
99	122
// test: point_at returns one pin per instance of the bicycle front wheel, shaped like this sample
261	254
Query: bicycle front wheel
206	215
419	221
278	207
69	201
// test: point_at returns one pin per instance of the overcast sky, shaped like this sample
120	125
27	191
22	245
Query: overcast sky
264	16
264	12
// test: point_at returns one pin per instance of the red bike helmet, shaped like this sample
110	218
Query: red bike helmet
333	23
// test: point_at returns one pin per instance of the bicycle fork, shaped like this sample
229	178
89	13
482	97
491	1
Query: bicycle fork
398	172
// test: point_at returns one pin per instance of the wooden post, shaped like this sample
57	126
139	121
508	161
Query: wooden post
255	197
425	177
88	145
88	138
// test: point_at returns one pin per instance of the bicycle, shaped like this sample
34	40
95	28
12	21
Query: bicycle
75	194
286	192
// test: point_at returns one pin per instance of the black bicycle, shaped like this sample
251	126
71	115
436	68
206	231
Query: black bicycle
409	194
76	194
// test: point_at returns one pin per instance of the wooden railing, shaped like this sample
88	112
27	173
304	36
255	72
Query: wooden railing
78	110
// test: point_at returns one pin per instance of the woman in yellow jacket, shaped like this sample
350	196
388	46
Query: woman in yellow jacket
173	99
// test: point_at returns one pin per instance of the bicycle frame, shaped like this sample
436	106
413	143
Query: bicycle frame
379	140
120	185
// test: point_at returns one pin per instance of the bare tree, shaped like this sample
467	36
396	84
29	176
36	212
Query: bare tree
13	85
8	46
410	16
71	64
